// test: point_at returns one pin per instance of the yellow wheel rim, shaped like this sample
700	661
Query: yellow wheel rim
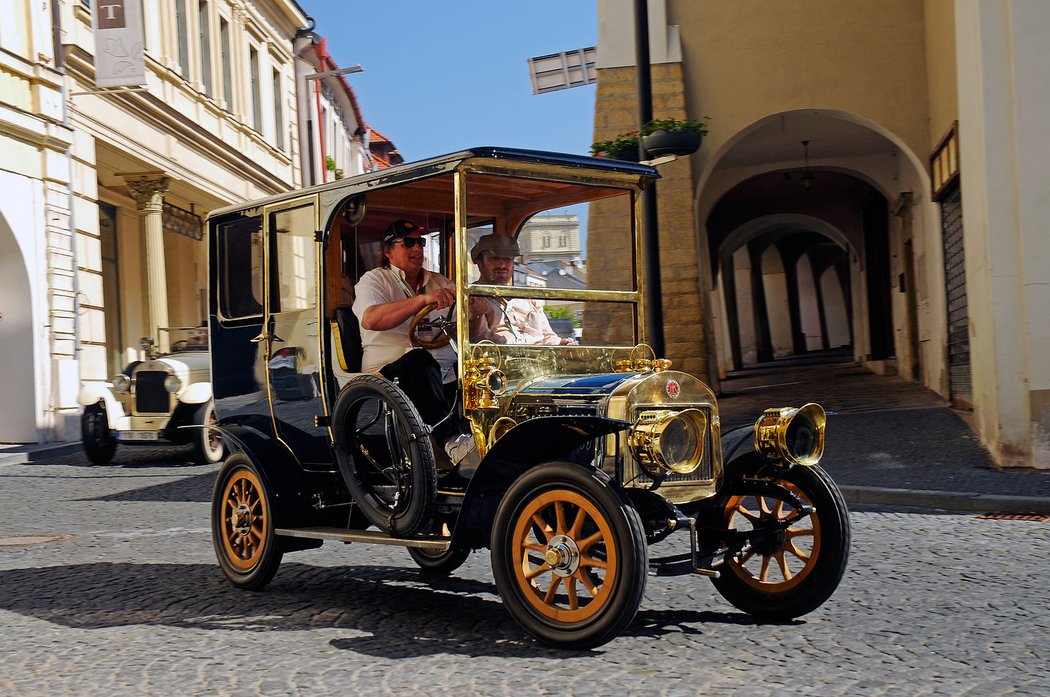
244	519
787	564
564	556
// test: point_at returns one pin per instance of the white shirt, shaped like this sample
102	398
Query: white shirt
514	321
388	284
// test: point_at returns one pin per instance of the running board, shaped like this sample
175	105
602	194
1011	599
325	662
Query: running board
437	544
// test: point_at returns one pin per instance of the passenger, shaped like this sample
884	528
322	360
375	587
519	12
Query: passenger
386	299
502	320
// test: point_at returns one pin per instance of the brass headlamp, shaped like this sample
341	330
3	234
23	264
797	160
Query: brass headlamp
669	440
483	379
792	435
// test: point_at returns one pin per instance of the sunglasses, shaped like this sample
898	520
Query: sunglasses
410	242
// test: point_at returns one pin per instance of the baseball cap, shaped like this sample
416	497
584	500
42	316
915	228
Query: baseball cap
400	228
496	244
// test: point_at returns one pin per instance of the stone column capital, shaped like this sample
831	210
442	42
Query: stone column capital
147	188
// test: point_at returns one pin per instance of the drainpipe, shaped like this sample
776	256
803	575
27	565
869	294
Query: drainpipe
654	314
60	66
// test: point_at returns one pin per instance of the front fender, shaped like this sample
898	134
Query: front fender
93	393
737	443
528	444
283	478
197	393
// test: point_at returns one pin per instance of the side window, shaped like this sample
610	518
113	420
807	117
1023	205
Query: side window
293	230
240	268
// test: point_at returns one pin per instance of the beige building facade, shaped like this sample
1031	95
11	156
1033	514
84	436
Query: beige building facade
874	177
104	192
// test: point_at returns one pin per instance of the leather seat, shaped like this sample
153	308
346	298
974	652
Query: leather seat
347	339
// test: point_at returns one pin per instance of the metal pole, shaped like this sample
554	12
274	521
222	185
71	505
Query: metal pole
654	315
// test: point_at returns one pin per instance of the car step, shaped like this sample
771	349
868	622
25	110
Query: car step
437	544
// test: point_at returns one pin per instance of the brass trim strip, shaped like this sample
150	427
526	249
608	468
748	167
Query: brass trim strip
438	544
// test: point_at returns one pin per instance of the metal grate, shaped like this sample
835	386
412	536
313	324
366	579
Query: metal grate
704	472
1029	517
150	395
960	382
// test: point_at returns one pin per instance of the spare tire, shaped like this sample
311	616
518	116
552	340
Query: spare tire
385	455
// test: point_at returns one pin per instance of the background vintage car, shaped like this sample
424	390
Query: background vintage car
166	398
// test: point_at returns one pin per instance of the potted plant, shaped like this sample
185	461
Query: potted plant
622	147
673	136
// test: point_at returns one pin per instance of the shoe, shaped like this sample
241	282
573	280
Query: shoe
460	447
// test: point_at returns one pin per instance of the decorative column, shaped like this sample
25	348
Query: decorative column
148	189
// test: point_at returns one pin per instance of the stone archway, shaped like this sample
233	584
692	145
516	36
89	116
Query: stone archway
757	187
17	367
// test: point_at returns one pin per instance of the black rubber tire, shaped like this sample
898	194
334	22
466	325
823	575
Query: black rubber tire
818	564
208	448
99	442
439	563
616	535
389	469
242	524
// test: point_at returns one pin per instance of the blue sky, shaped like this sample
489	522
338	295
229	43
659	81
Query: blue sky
442	76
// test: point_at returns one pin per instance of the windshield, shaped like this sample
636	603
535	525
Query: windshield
538	277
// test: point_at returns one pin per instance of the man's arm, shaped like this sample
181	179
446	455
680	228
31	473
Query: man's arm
383	316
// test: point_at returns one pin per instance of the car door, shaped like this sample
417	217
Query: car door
292	332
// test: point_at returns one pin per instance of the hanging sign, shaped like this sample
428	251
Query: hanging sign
119	59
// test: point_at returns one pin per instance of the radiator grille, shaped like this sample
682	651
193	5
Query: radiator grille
150	395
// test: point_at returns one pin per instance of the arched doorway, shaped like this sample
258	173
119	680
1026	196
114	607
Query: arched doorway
17	368
811	196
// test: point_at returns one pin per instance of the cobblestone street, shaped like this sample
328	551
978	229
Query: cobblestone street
108	584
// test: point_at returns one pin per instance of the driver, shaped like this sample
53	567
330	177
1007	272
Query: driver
386	299
507	321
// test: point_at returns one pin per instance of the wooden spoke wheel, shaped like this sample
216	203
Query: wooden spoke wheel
788	571
243	526
568	556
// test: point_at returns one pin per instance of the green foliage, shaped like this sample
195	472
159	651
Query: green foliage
629	140
329	163
676	125
620	142
559	312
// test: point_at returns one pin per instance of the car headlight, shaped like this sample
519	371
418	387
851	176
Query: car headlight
669	440
121	383
792	435
172	383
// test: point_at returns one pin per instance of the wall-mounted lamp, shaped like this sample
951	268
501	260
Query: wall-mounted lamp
340	71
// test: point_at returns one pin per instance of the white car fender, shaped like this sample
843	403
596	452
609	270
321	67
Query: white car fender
93	393
197	393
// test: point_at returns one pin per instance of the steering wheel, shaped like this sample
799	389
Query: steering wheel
445	326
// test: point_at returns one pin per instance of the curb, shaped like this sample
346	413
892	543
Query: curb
946	500
19	455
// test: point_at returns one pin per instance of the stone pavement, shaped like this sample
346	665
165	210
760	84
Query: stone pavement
889	441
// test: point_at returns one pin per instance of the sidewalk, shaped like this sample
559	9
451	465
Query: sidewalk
889	440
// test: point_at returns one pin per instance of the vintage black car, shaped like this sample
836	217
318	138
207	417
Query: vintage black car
589	452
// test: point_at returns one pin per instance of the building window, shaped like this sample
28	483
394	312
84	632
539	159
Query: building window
546	241
253	69
278	115
204	25
227	66
184	45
